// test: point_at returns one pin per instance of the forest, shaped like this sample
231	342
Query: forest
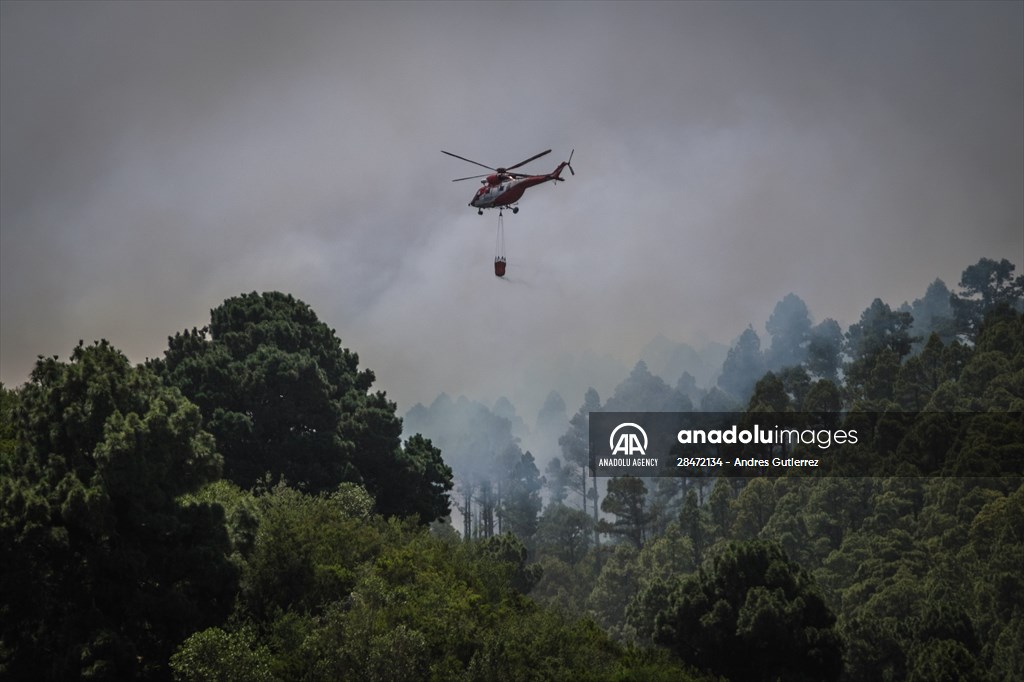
249	506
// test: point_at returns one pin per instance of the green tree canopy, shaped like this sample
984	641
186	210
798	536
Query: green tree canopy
626	499
281	395
986	285
564	532
752	615
104	570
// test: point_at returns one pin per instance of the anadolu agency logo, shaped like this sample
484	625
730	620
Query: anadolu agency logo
631	441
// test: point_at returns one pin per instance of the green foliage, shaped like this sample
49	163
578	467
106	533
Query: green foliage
539	645
987	285
565	533
695	525
8	405
418	483
307	550
876	344
565	587
660	566
508	549
753	508
626	500
105	571
214	654
615	587
332	592
769	395
824	350
752	599
122	547
282	396
521	505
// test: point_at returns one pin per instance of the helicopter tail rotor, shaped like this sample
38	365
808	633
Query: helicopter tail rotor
566	164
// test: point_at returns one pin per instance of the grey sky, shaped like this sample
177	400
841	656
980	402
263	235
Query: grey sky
160	158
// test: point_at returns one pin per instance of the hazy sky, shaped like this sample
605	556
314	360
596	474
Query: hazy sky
160	158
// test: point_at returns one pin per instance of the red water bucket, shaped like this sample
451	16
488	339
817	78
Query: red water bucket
499	267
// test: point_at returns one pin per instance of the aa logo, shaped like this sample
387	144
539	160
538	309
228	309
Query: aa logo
631	441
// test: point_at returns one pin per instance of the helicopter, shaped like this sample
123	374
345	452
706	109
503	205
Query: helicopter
502	189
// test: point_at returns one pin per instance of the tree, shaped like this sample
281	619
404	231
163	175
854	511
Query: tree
797	383
480	447
105	571
521	498
720	508
695	525
307	549
504	409
660	566
214	654
688	389
8	403
823	397
753	508
552	418
743	366
880	328
986	285
509	550
877	344
564	532
717	400
933	314
824	349
556	478
769	395
626	499
281	395
575	444
753	600
614	588
642	391
789	327
921	375
419	484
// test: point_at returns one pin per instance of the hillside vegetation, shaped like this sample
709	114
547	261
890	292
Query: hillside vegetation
246	507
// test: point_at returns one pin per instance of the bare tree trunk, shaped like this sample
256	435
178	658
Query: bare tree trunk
467	512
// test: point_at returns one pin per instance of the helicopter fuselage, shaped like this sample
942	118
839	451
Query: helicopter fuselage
500	190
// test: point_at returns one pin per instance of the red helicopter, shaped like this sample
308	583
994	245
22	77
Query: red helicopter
502	188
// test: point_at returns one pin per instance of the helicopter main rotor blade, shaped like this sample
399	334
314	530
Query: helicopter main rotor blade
471	177
476	163
523	163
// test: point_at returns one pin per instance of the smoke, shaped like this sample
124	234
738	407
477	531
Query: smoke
158	158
